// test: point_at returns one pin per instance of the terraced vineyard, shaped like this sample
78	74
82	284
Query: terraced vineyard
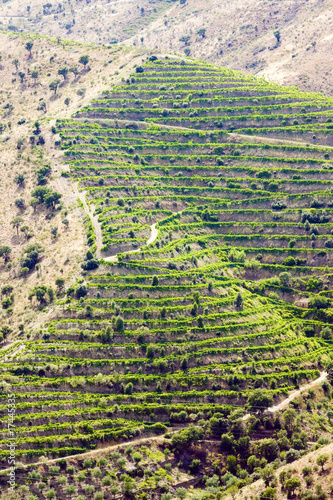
210	272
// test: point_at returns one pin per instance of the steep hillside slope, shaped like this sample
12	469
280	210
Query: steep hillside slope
206	286
289	42
29	162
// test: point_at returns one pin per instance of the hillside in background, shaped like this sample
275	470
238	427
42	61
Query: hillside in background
289	42
201	295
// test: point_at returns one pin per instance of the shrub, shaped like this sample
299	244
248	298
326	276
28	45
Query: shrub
292	455
319	302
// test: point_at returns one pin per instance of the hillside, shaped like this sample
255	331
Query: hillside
29	162
205	196
288	42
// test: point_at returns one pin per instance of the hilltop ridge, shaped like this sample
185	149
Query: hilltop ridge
289	42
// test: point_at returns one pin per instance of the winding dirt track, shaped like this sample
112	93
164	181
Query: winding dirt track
90	212
284	404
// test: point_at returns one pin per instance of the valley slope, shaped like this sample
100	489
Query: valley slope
205	288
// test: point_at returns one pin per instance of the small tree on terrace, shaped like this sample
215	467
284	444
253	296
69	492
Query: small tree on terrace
16	63
259	400
5	252
34	75
319	302
22	76
155	281
277	35
63	71
267	475
239	300
39	292
29	46
19	179
119	324
16	222
181	493
285	279
289	418
60	282
202	32
74	70
51	199
321	461
84	60
54	85
185	39
292	484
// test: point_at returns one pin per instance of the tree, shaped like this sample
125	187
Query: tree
202	32
20	203
186	437
29	46
63	71
54	85
67	101
201	322
19	179
119	324
183	364
292	484
39	292
80	291
22	76
34	202
239	300
16	63
74	70
129	388
52	198
16	222
155	281
259	400
289	418
321	461
277	35
5	252
267	475
34	75
60	282
31	255
231	463
319	302
326	333
285	279
269	493
185	39
181	493
84	60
